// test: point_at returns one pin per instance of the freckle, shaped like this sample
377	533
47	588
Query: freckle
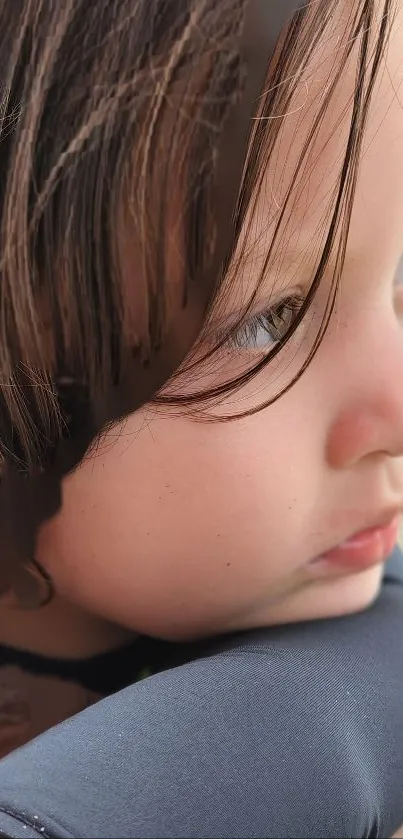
228	565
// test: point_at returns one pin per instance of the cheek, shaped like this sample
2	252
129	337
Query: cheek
176	524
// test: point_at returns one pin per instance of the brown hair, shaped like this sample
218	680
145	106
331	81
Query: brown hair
363	38
106	115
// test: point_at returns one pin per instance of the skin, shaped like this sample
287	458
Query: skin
180	528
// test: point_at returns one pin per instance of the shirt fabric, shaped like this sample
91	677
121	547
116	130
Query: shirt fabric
293	731
37	692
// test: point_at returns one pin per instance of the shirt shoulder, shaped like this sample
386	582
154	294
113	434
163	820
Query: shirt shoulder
233	745
291	731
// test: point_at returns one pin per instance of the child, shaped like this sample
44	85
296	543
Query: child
261	480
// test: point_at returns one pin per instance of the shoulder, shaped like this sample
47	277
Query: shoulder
235	744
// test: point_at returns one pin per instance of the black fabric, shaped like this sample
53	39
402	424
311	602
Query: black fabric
288	732
104	674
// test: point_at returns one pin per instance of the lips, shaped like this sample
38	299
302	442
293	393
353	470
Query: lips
365	549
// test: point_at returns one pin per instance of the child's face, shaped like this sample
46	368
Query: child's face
181	528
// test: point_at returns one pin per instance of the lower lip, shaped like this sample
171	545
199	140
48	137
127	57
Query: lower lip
366	549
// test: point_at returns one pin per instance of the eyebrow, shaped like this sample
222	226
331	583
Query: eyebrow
290	264
247	297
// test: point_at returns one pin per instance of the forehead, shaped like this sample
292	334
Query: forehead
303	173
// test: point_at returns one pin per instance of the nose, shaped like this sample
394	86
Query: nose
370	421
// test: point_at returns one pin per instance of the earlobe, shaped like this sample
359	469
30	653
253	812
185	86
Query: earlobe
32	586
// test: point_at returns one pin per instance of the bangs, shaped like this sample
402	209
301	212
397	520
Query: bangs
319	42
108	207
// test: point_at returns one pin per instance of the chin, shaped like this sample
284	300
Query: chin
357	592
325	598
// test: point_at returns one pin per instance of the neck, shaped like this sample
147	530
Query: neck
59	630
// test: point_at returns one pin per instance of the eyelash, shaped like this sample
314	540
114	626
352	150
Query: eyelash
283	313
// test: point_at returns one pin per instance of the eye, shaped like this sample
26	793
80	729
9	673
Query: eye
264	331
